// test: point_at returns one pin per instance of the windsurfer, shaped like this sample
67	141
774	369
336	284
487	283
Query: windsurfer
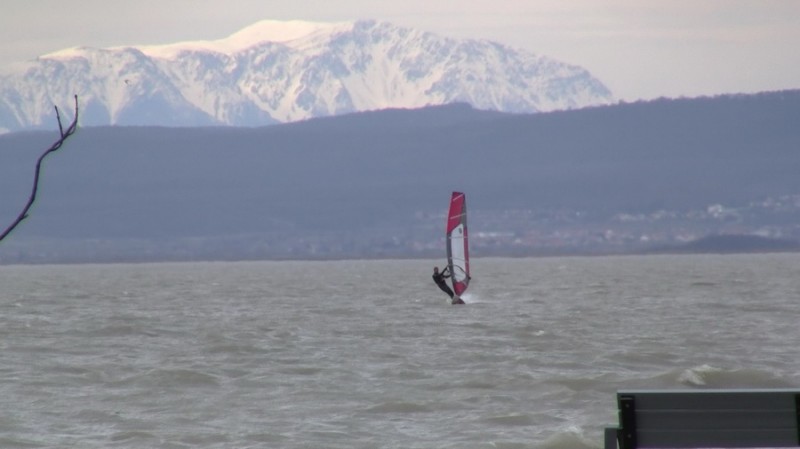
439	279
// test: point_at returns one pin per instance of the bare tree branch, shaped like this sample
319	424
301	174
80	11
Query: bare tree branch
56	145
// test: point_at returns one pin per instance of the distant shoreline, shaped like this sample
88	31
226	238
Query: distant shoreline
731	244
710	245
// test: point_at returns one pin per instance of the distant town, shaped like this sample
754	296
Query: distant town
561	232
509	233
567	231
574	231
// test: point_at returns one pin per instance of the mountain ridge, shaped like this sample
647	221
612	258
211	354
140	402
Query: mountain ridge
320	70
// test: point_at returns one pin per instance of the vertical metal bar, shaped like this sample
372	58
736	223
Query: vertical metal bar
611	438
797	415
627	417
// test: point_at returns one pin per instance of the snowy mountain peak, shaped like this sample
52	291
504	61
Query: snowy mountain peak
69	53
272	31
278	31
276	71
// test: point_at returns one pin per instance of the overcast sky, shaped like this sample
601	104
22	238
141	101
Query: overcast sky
640	49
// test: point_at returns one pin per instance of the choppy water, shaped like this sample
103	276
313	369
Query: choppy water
366	354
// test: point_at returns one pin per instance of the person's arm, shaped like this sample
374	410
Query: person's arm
446	272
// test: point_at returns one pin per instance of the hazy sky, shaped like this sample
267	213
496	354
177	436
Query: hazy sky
640	49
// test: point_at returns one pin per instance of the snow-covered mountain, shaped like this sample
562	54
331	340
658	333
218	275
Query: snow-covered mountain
286	71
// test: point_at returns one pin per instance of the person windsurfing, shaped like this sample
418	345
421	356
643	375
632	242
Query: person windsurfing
440	279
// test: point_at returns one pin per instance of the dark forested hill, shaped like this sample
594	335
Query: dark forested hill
380	174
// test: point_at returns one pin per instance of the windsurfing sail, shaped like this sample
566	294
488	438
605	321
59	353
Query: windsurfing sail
457	243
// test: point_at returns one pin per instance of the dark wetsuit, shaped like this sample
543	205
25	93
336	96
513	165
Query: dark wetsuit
439	278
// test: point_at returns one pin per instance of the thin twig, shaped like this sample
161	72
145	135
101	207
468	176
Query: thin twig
56	145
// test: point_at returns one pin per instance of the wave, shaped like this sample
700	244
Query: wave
700	376
120	330
511	420
398	407
707	376
174	378
570	438
19	443
131	436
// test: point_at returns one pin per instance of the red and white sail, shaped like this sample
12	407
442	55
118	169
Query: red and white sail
457	243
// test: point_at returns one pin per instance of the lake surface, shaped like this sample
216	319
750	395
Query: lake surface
368	354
